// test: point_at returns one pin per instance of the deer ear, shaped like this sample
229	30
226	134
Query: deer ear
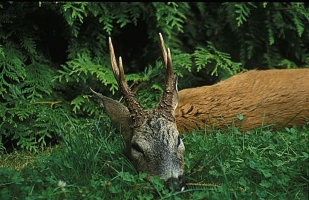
118	113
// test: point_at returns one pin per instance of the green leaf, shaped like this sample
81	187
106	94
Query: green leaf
265	184
77	103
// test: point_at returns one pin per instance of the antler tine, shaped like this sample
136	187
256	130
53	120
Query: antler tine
113	59
165	106
167	59
164	54
137	113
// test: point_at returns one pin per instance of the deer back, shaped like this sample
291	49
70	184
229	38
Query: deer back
274	97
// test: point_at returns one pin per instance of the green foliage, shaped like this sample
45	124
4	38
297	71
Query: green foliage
219	164
221	61
243	12
51	53
170	16
253	165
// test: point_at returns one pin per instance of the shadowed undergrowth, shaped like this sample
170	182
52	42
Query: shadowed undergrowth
89	164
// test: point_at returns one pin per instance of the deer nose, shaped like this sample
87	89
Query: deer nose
176	184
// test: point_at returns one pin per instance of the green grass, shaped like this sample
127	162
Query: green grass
89	164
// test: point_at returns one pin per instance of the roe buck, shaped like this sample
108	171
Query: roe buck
152	141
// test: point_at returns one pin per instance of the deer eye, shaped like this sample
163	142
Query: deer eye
137	148
179	141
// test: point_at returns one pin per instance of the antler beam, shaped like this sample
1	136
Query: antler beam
166	105
137	113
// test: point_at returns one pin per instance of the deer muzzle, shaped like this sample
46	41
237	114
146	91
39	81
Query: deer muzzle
176	184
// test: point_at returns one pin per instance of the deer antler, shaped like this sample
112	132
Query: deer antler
137	113
168	101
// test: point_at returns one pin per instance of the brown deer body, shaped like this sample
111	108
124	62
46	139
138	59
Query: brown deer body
152	141
273	97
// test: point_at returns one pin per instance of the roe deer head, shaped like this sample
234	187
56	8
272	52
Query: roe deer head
152	141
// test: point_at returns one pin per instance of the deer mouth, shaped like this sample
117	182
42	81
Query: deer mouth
176	184
172	184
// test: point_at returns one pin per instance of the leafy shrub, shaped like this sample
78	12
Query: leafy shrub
51	53
222	164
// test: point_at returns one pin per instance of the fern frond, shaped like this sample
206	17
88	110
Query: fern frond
218	60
